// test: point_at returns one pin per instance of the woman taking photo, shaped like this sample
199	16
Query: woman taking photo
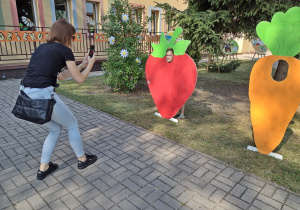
39	82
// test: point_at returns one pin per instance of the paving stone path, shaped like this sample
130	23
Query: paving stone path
136	169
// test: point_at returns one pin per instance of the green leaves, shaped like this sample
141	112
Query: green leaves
123	73
282	35
159	50
202	25
181	46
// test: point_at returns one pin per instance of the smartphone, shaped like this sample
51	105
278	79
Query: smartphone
92	49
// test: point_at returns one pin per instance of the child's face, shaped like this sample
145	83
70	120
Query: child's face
169	56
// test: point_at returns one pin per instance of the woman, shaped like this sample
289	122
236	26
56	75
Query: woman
39	82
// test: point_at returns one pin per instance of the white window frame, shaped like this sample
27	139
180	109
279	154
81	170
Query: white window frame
34	14
139	11
96	6
52	5
156	9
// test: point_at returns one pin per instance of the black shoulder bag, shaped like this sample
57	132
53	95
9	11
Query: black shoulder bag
34	110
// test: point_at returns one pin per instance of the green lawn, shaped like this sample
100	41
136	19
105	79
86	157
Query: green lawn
217	121
241	75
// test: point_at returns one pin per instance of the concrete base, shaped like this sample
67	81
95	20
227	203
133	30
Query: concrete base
275	155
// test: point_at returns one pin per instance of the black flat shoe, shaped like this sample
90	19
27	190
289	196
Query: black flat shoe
42	174
90	159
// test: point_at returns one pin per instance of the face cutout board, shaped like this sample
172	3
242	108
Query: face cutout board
259	46
230	47
274	103
171	84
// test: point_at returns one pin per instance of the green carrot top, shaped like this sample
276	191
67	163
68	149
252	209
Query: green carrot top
282	35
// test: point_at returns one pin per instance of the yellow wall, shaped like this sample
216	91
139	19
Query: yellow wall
240	43
149	4
247	47
47	13
6	12
244	46
79	12
104	6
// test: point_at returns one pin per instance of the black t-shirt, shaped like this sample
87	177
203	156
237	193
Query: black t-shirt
46	62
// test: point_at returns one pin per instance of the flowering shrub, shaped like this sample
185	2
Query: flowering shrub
124	67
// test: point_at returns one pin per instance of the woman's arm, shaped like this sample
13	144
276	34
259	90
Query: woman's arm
64	75
74	70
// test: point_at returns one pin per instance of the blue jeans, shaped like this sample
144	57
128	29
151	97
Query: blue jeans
61	116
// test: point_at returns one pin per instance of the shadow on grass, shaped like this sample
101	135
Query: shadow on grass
288	133
196	108
233	92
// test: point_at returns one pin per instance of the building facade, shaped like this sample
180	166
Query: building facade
24	25
82	14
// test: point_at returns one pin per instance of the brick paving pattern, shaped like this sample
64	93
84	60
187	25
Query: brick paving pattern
136	169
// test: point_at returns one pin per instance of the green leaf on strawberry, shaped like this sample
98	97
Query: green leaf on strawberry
159	50
282	35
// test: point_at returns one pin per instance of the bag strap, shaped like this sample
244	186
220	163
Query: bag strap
22	81
53	100
22	92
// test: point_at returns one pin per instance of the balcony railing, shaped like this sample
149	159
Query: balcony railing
21	50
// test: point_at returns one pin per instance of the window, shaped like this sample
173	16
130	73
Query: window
154	22
169	23
61	11
137	15
25	10
91	16
113	9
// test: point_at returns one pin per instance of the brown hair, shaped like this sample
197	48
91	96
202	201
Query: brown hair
170	49
62	32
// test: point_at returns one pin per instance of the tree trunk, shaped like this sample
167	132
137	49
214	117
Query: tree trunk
281	71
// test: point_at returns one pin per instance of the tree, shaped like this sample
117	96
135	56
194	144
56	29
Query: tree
199	27
245	14
239	17
123	69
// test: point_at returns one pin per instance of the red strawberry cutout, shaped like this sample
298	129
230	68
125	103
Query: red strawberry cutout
170	84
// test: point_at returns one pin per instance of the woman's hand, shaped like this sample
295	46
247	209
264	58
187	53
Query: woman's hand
78	76
91	60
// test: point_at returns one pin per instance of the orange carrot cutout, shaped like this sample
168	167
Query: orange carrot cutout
273	103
